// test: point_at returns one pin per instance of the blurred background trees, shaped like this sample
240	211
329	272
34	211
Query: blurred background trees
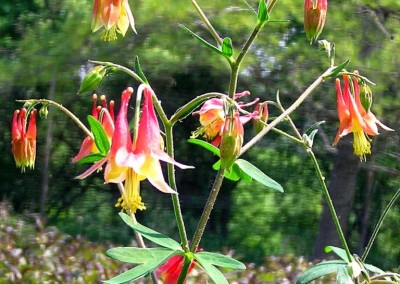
44	48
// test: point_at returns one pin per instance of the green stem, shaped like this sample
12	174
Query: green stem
65	110
288	111
233	80
120	67
378	226
207	22
172	183
329	202
207	210
184	271
248	43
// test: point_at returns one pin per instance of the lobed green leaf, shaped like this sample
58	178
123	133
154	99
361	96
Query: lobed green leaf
320	269
218	259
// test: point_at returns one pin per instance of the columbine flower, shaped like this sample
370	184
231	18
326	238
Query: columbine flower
105	115
231	140
114	15
135	161
24	138
212	118
314	18
169	272
354	118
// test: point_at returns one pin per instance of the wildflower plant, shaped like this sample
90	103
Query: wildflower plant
128	155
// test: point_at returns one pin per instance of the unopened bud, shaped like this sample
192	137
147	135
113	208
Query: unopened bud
365	96
260	121
43	112
231	140
314	18
92	79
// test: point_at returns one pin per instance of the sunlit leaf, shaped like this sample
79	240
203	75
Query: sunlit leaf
92	158
227	48
212	271
258	175
100	137
219	260
150	234
205	145
138	255
320	269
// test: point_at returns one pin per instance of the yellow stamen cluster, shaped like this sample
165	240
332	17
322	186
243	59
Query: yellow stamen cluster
361	144
209	131
130	200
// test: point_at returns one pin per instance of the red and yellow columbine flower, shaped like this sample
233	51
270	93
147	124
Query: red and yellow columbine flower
114	15
105	115
212	118
314	18
24	138
135	161
354	118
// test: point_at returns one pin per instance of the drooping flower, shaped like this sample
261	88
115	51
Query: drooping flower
131	162
314	18
114	15
212	118
231	140
354	118
169	272
24	138
105	115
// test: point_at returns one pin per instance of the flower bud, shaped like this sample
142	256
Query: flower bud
314	18
231	140
260	120
92	79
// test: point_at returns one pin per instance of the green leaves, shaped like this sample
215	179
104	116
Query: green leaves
262	14
242	169
321	269
227	48
99	135
150	234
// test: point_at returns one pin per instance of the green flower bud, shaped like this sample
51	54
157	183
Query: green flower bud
92	79
260	121
231	140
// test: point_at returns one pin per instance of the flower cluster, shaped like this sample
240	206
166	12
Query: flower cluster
356	117
23	135
131	161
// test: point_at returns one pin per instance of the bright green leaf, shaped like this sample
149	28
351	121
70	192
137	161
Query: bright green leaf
319	270
339	252
219	260
227	48
202	41
262	12
205	145
343	276
139	71
138	255
337	69
92	158
100	137
258	175
212	271
150	234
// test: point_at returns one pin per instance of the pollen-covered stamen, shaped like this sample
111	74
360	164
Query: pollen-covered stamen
94	109
131	201
109	35
103	101
361	145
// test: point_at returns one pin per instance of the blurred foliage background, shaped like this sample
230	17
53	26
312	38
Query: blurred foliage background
44	51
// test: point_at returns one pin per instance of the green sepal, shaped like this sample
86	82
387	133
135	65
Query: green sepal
220	260
99	135
262	14
258	175
321	269
150	259
337	69
202	41
90	159
227	48
139	71
150	234
188	108
208	146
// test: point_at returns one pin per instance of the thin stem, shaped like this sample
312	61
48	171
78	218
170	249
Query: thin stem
207	22
207	210
184	271
330	204
233	80
65	110
138	237
122	68
288	111
172	183
249	42
378	226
